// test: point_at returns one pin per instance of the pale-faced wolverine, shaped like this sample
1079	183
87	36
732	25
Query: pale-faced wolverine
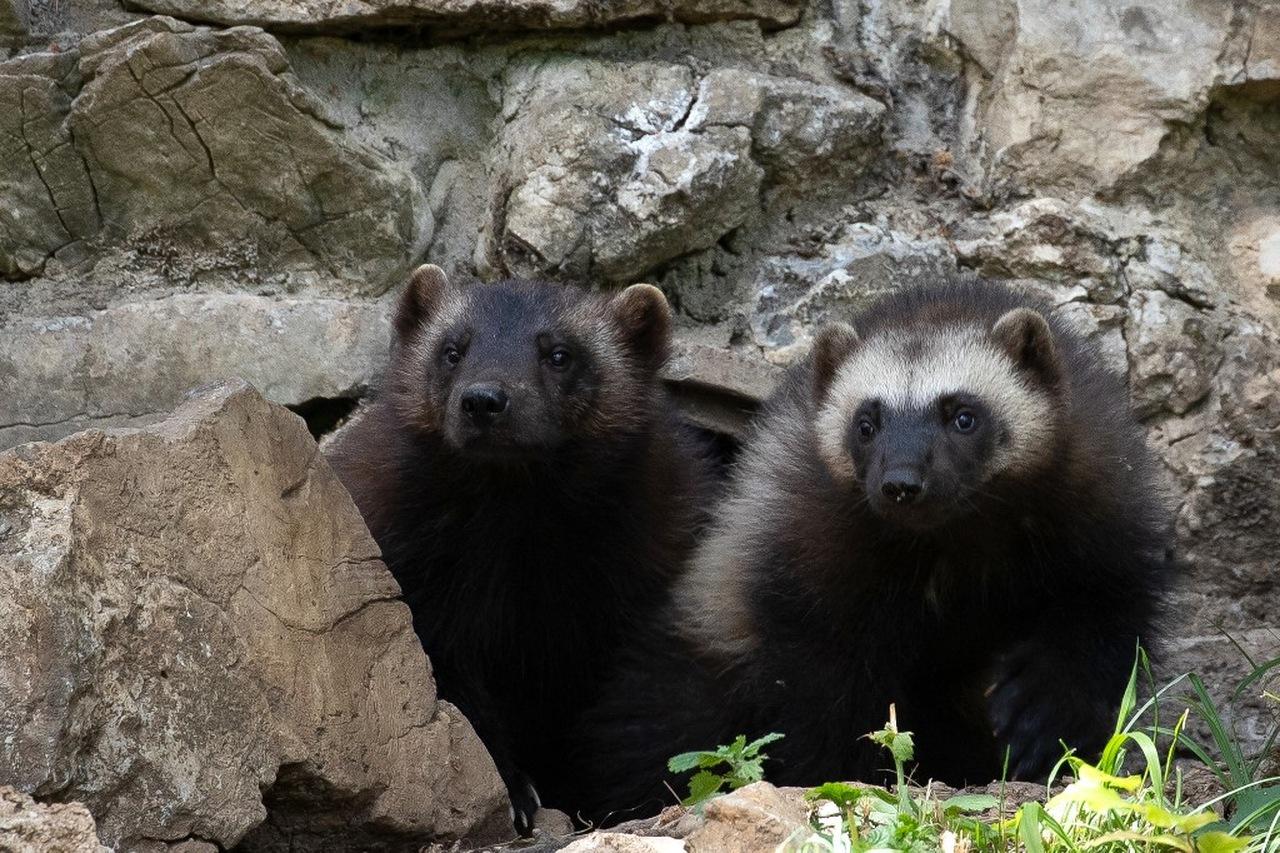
531	489
947	506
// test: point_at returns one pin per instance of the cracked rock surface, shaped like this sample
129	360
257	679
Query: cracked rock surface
160	132
204	646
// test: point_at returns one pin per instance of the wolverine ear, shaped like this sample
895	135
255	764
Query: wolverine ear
420	299
644	316
1025	336
830	348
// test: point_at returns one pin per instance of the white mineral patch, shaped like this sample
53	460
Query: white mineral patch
1269	256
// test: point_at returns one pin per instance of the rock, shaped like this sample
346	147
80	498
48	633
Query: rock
199	142
648	165
757	817
30	827
1047	240
205	645
601	178
729	370
794	296
1073	99
13	17
718	388
330	16
800	131
553	823
49	200
1173	353
618	842
132	361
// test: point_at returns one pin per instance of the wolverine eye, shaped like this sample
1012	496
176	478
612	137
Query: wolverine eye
965	421
452	356
866	429
559	358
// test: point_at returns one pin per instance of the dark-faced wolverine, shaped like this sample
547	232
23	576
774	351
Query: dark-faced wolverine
534	494
947	506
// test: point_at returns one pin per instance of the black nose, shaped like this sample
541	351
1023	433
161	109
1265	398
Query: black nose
484	402
901	485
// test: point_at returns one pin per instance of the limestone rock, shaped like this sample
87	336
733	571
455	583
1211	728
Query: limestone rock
799	130
730	370
1173	353
757	817
601	177
1047	240
463	15
134	360
49	200
794	296
609	169
30	827
202	140
203	638
1074	98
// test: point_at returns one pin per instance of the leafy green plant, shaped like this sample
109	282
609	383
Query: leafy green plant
861	818
1129	801
733	766
1101	809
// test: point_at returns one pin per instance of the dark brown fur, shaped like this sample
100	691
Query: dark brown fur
527	553
1008	622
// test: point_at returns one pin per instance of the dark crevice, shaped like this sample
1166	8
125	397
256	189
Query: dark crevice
324	414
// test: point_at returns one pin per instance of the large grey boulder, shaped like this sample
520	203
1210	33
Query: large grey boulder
609	169
1077	98
598	176
802	132
192	141
462	15
203	644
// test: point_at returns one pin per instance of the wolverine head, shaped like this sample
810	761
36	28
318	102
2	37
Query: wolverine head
517	370
935	405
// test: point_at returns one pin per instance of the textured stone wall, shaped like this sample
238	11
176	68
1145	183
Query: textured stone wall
183	198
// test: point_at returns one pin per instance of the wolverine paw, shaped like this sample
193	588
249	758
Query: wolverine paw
524	803
1034	712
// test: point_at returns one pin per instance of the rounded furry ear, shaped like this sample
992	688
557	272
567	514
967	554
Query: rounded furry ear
644	316
1025	336
420	299
834	343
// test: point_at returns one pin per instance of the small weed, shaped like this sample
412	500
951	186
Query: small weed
744	765
861	819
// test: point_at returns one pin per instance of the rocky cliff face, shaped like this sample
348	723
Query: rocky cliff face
235	189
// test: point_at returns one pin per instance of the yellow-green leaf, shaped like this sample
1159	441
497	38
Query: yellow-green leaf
1221	842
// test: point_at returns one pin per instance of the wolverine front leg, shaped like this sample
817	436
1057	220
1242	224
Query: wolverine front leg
1063	687
481	710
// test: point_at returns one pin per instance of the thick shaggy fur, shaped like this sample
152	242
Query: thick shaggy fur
525	570
1009	621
